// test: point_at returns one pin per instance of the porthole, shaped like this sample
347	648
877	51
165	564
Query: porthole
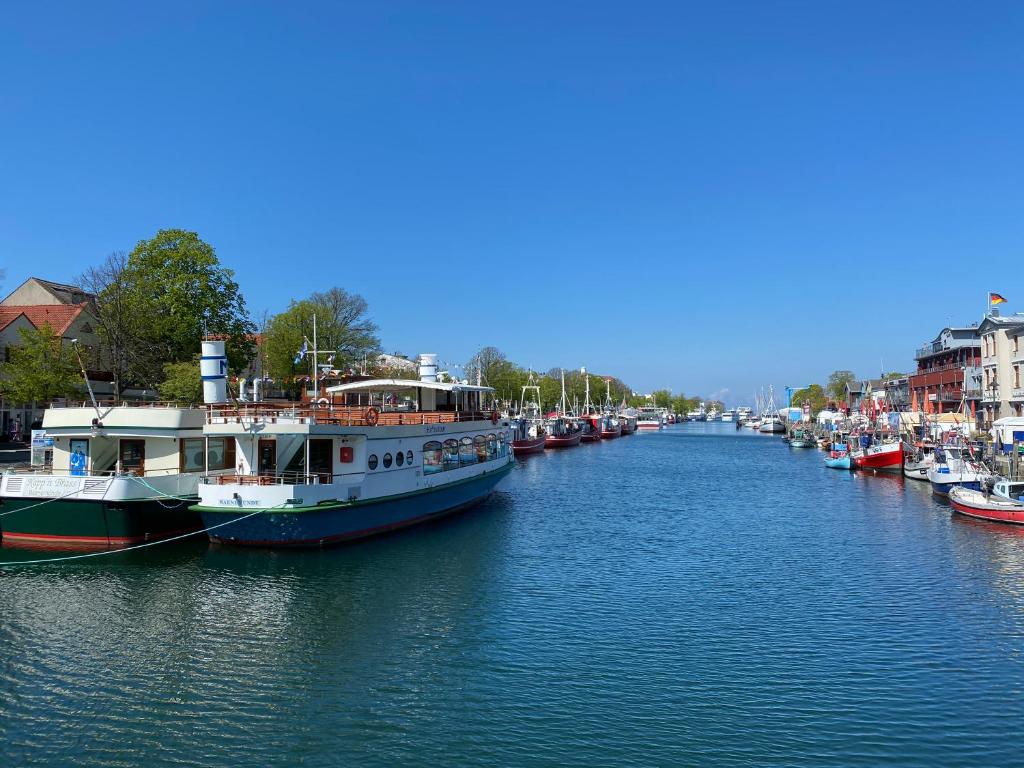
387	460
399	458
408	457
372	461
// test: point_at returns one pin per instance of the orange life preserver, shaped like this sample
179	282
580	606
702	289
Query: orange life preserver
372	415
494	416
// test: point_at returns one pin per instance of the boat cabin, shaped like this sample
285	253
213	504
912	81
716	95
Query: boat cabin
144	440
362	427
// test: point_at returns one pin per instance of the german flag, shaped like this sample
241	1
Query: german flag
995	298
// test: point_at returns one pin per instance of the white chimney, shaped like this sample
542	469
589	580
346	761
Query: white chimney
428	367
213	369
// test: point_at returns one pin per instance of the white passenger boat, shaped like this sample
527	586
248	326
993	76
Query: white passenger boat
381	454
120	475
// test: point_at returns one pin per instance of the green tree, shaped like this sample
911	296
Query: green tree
342	329
182	383
815	395
41	369
180	292
837	381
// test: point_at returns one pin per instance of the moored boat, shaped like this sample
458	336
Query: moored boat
1002	505
838	460
885	456
121	475
917	464
359	465
561	432
955	465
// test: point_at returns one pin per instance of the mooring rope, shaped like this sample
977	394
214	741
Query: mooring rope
137	546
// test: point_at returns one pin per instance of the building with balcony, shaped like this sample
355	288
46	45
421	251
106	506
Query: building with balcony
1002	357
948	372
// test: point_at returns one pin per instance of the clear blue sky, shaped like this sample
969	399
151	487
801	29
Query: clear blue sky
704	196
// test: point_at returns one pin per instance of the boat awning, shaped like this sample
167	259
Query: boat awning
390	385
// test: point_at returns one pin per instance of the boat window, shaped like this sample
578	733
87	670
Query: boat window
387	460
372	461
219	453
467	454
408	458
451	454
480	444
192	459
492	447
399	458
432	457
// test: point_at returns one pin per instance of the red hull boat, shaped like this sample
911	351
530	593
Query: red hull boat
526	447
568	441
887	457
993	507
611	434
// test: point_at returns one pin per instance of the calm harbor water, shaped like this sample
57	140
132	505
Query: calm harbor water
700	596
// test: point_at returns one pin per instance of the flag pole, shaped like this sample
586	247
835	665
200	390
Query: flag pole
316	371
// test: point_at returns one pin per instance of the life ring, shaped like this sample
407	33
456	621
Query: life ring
323	401
494	416
372	415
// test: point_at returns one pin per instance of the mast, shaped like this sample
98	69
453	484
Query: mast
316	370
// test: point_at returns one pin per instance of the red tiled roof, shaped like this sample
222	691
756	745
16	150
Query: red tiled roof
58	316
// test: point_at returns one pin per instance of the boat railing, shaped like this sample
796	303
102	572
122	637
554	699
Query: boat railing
275	478
346	416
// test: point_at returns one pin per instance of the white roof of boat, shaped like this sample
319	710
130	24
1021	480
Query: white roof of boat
390	385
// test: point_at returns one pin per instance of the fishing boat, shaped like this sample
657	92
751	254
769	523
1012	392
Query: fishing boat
1001	501
120	475
610	425
527	436
770	421
648	420
802	438
956	465
381	454
917	463
884	456
527	427
628	420
561	430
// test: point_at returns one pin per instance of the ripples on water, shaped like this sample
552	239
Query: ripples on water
696	597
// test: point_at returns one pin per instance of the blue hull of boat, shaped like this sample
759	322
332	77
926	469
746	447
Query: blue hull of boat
315	526
943	489
843	463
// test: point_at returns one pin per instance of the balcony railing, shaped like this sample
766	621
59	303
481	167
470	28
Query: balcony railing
346	416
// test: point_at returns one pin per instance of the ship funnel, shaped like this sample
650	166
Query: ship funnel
243	386
428	367
213	368
257	390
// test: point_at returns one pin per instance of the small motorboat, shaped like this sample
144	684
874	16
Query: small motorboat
999	501
954	466
838	460
917	464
